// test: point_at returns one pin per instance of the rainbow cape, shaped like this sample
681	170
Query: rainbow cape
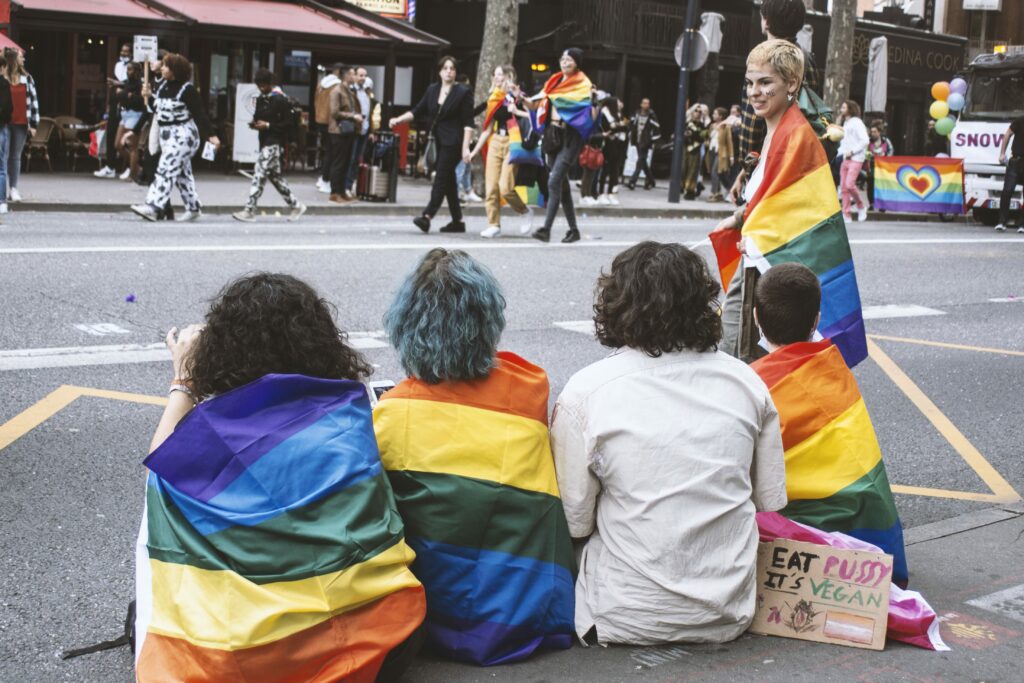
571	98
795	216
494	100
472	470
919	184
835	477
270	548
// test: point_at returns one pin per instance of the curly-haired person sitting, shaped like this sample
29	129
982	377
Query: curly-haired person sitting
270	548
664	451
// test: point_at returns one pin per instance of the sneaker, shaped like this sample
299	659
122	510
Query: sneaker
338	199
324	188
246	215
126	175
422	222
491	231
1000	228
3	207
544	235
473	197
1020	230
603	200
146	211
15	195
349	195
526	226
862	214
572	236
613	200
454	226
105	172
297	211
320	184
588	201
189	216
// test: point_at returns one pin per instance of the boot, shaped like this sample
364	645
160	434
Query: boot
422	222
572	236
454	226
544	235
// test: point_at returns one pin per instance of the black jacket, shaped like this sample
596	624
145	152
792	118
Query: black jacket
6	104
454	117
275	110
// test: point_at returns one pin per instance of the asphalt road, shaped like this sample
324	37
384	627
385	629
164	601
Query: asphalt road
71	486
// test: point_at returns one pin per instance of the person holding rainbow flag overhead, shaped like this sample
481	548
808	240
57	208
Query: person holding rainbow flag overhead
564	114
835	477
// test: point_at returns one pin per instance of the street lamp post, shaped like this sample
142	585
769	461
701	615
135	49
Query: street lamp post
683	93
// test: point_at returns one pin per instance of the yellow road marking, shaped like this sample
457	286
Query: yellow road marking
60	398
945	345
1002	492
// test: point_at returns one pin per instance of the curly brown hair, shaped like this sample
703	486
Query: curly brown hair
179	65
269	323
658	298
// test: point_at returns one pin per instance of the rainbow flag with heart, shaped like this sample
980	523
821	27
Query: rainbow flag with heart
571	98
471	466
919	184
835	477
270	547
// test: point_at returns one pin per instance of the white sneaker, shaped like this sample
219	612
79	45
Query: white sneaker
473	197
1000	228
297	211
320	184
862	214
1021	230
15	195
492	231
145	210
105	172
588	201
613	200
526	227
126	175
603	200
3	207
324	189
189	216
245	215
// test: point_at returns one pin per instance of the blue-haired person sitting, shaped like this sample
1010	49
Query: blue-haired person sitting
464	440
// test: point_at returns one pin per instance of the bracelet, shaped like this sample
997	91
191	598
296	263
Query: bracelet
183	389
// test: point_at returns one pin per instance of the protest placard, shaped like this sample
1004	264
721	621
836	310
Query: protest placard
144	49
823	594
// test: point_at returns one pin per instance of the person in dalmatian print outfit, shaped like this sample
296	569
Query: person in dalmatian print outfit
183	123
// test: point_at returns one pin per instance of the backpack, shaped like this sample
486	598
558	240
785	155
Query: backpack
293	120
820	116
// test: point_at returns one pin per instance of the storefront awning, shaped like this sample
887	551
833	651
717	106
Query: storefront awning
128	9
262	14
6	42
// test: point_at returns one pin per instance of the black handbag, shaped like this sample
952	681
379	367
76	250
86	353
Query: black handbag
346	127
530	137
554	139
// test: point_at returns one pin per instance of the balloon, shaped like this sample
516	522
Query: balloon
938	109
945	126
958	85
940	90
956	101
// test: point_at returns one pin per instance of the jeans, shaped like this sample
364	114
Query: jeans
113	121
5	139
448	158
18	134
848	173
341	158
614	156
1014	177
559	193
357	157
325	159
464	177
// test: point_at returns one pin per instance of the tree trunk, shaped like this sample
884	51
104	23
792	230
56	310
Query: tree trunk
501	32
839	67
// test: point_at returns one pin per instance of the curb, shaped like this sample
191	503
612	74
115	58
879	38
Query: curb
962	523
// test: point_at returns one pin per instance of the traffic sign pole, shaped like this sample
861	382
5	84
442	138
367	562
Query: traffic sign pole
683	92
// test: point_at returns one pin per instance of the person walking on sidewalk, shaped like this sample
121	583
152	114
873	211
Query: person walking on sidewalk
322	106
852	149
114	88
345	122
643	131
693	139
271	119
499	172
132	109
449	107
1014	172
24	115
720	153
566	116
615	127
183	124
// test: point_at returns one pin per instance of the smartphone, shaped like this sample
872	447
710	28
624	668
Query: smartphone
377	389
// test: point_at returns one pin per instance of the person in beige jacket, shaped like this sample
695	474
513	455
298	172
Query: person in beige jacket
721	155
345	121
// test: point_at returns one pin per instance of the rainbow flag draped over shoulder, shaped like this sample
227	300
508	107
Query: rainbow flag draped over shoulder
835	477
472	470
919	184
271	548
571	98
795	216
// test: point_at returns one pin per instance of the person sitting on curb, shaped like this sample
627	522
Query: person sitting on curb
271	120
835	477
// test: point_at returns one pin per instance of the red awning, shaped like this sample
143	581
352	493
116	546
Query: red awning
6	42
272	16
111	8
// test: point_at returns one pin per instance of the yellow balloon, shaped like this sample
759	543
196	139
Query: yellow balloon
938	110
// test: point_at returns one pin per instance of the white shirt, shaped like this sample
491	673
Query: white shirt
855	142
662	462
121	70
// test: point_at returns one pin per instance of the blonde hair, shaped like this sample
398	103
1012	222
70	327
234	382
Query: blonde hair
783	56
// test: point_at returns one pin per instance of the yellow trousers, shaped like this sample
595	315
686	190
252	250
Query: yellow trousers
500	180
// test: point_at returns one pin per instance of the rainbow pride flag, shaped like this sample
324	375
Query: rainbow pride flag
919	184
726	244
571	99
472	470
270	548
517	154
835	477
794	216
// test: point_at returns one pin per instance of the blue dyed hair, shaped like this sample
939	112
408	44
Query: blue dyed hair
447	318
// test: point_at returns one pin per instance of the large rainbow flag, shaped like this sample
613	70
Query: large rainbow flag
919	184
794	216
271	548
571	98
835	477
472	470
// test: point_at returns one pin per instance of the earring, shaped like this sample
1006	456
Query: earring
789	97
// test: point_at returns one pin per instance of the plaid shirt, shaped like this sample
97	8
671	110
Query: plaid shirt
31	101
752	126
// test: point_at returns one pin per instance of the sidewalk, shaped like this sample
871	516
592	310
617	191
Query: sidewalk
221	194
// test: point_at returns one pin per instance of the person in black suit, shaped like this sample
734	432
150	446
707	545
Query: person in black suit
449	108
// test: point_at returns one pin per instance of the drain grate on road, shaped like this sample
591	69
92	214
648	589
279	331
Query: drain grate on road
651	657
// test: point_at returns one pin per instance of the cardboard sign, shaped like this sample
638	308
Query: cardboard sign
826	595
144	49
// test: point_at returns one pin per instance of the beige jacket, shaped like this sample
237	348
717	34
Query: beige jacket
343	105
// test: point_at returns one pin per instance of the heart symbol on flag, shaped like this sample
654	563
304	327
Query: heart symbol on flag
919	181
